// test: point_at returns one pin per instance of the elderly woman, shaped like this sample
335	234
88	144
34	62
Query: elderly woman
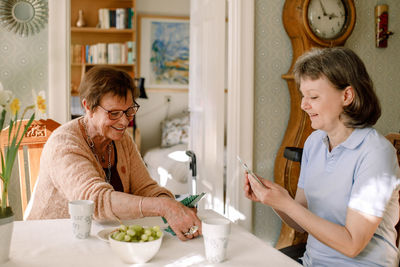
347	197
93	157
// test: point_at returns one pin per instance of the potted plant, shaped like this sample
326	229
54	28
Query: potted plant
7	158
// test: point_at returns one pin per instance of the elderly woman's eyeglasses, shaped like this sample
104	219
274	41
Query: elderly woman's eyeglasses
116	114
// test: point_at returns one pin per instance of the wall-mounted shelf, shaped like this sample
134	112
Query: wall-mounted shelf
87	64
99	30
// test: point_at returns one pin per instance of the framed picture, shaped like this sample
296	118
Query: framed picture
163	49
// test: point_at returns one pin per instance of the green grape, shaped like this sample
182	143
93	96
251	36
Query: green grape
147	232
114	235
131	232
120	236
127	238
136	233
159	233
145	237
136	227
123	228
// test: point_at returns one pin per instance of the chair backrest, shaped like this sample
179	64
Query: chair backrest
33	142
394	138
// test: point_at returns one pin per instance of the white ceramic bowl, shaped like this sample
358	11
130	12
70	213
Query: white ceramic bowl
131	252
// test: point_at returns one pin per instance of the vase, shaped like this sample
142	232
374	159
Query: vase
81	21
6	229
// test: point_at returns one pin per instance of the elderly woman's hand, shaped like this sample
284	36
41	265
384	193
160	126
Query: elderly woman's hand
181	219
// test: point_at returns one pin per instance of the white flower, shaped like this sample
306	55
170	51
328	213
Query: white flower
40	104
5	97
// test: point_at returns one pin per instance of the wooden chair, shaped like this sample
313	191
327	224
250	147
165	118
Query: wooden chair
33	142
394	138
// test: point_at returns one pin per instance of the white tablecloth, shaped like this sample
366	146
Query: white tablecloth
51	243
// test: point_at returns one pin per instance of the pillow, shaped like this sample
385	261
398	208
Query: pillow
175	131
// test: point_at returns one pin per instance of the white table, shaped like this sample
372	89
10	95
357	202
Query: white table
51	243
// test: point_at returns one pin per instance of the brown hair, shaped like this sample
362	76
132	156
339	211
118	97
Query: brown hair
100	80
343	68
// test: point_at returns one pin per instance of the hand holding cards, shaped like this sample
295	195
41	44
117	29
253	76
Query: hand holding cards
250	172
189	201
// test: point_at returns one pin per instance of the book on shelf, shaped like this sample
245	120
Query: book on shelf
104	53
131	52
119	18
77	55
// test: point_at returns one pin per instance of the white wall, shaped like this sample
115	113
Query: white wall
154	109
163	7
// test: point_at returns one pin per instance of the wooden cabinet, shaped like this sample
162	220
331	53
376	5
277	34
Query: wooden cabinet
91	34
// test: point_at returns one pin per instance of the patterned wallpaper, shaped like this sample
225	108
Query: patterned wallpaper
23	63
271	108
23	67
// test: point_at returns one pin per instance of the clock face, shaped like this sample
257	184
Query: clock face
327	18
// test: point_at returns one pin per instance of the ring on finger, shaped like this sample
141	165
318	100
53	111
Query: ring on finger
192	230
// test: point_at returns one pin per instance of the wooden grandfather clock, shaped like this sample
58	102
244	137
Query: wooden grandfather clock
309	23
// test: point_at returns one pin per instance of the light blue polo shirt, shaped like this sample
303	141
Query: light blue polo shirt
360	173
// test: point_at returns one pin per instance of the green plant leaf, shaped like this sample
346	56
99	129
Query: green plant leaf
2	118
26	129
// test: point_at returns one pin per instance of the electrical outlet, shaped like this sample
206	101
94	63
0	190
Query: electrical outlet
167	98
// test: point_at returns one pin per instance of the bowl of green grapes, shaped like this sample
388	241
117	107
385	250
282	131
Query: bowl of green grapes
135	243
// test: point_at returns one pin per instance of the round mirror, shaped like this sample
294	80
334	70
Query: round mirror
23	17
23	11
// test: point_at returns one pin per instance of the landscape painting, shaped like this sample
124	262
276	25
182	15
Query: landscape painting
164	52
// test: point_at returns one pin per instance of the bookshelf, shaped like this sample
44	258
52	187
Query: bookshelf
104	41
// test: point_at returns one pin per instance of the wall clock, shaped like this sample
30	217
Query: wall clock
309	23
328	22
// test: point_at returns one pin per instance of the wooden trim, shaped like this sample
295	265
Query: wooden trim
92	64
99	30
22	179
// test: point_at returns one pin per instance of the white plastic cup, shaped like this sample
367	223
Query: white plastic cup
81	212
216	234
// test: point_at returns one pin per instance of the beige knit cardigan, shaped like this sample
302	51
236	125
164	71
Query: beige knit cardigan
70	171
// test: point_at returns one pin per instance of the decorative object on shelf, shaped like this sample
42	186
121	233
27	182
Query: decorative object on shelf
382	32
15	134
140	85
306	23
163	46
81	21
23	17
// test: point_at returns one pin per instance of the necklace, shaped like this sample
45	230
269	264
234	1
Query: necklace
94	151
